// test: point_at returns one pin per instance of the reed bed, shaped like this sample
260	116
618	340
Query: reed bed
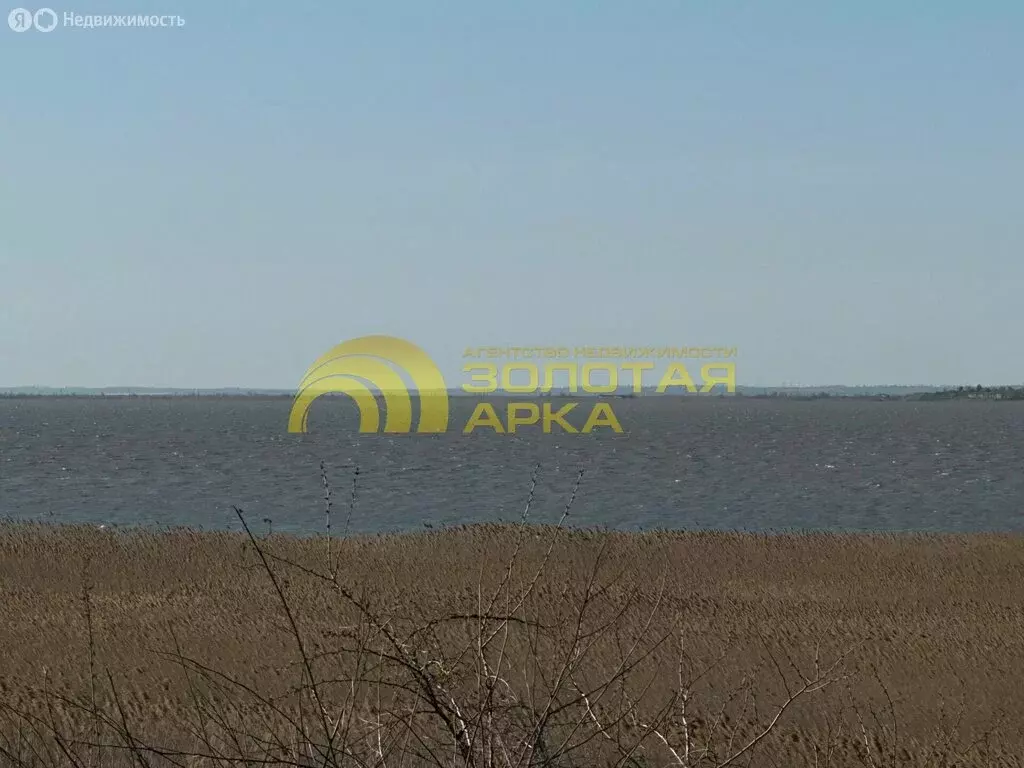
508	645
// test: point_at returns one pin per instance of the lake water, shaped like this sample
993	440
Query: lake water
681	463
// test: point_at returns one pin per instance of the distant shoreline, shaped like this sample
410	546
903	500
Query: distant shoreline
910	393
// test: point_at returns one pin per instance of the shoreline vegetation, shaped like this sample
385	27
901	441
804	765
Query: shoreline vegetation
509	645
881	392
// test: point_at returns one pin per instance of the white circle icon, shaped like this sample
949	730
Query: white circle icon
20	19
45	19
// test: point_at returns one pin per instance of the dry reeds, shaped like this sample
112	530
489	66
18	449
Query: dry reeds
507	646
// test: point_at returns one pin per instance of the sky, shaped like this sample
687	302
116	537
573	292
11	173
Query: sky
835	189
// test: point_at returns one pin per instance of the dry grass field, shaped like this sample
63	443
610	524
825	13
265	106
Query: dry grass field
509	646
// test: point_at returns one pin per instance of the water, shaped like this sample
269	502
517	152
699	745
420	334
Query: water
695	463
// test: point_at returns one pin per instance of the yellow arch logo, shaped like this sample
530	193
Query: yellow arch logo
354	366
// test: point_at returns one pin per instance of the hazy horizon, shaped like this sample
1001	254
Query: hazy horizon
835	190
456	389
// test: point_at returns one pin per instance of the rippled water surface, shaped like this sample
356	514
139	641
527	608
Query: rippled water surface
681	463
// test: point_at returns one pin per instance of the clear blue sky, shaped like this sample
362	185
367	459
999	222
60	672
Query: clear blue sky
833	188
